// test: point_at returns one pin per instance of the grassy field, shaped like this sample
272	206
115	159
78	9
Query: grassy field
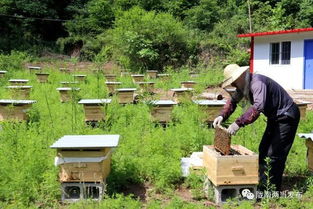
148	156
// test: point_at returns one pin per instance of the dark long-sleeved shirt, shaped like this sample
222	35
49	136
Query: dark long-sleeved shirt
265	95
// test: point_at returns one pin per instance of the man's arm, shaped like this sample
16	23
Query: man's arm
259	92
231	105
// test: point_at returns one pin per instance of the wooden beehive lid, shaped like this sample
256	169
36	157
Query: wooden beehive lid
95	101
68	89
152	71
301	102
191	82
113	82
19	80
86	141
210	102
69	82
222	140
163	102
16	102
19	87
42	73
126	89
34	67
182	89
3	72
137	75
79	75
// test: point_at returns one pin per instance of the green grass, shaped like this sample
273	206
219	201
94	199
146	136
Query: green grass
146	154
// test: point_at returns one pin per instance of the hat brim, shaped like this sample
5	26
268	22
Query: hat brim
235	76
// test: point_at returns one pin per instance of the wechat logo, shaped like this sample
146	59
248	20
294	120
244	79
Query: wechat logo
246	193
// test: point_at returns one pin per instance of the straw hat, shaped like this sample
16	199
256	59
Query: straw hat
232	72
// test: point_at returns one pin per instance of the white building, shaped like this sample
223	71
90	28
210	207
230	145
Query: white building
285	56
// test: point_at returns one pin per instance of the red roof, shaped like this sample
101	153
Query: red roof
275	32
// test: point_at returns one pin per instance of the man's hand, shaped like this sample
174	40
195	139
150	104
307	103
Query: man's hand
217	121
233	128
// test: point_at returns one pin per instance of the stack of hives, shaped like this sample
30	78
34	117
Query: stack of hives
84	164
230	168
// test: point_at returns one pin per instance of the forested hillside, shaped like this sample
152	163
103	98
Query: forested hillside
145	34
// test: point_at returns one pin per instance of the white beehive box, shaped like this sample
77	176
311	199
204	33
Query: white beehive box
138	77
20	92
42	77
162	110
2	73
80	78
212	108
126	95
182	94
84	158
94	108
152	74
112	86
18	82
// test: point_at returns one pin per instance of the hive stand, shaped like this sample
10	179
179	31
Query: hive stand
212	108
2	73
33	68
188	84
20	92
85	163
80	78
67	93
94	109
42	77
14	109
152	74
110	77
182	94
126	95
161	111
18	82
309	145
229	174
146	87
112	86
138	78
72	192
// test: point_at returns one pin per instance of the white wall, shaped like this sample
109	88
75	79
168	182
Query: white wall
289	76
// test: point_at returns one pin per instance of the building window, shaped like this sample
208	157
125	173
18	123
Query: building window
280	53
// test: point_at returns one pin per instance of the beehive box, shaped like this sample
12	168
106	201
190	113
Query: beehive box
212	108
84	158
125	95
2	73
64	70
67	93
193	75
33	68
112	86
138	78
309	145
42	77
80	78
146	86
14	109
302	105
182	94
69	83
94	108
188	84
110	77
20	92
163	76
18	82
152	74
162	110
125	74
240	168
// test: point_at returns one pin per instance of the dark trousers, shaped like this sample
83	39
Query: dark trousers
276	143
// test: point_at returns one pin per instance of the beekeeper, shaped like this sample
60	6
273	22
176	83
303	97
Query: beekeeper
268	97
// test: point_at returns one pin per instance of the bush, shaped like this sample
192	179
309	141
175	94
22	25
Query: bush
148	40
13	61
